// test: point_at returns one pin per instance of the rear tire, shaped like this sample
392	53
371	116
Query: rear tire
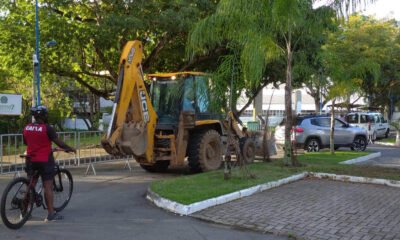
359	144
16	203
387	133
313	145
205	151
63	186
249	151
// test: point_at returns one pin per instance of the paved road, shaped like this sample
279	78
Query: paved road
112	206
390	156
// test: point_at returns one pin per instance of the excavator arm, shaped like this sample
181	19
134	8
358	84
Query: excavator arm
133	119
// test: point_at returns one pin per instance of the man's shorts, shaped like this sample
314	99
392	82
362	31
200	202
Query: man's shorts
46	169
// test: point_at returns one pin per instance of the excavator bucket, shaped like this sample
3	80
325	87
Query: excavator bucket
133	118
134	139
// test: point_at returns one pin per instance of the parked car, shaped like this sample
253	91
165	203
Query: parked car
373	122
313	133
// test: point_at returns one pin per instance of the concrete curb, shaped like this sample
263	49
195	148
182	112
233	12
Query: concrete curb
362	159
386	144
354	179
182	209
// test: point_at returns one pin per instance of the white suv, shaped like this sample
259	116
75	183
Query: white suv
373	122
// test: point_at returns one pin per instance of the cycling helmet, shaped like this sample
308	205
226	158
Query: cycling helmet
39	112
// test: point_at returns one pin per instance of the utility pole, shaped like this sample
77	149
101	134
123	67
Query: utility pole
36	57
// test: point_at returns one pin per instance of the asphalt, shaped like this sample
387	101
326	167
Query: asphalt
112	205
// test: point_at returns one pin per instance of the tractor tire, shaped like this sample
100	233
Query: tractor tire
205	151
249	151
158	167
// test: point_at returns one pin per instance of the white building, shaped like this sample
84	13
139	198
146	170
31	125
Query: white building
273	100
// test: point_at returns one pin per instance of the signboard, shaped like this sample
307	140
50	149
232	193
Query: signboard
10	104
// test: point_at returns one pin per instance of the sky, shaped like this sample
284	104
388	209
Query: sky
384	9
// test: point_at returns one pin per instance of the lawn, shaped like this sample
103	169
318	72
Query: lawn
193	188
387	140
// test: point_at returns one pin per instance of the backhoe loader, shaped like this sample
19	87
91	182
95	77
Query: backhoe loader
170	122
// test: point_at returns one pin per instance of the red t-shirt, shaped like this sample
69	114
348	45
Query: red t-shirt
38	137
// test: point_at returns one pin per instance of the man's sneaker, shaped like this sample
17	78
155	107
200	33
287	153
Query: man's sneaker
53	217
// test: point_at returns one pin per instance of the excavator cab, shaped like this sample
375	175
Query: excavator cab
173	93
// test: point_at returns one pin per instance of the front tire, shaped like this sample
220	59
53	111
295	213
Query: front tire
313	145
157	167
205	151
359	144
63	186
16	203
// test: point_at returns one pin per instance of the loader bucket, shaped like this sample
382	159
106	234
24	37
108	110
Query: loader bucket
134	139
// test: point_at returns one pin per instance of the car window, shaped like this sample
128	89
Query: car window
338	123
352	118
364	118
322	122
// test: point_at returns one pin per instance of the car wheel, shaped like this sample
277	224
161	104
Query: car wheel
313	145
359	143
387	133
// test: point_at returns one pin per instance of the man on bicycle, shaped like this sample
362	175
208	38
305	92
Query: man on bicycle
38	137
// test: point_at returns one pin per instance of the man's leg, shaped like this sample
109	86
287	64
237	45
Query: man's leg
48	195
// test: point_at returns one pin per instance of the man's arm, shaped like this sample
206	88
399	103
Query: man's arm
63	145
51	133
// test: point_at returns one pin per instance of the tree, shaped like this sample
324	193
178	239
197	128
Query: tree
364	50
90	36
261	32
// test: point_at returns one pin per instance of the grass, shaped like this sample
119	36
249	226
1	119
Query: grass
193	188
387	140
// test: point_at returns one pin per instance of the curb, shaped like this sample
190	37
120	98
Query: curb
362	159
184	210
386	144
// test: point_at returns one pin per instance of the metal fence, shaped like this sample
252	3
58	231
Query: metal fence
87	144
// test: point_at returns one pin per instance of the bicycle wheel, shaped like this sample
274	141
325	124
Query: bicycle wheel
16	203
63	187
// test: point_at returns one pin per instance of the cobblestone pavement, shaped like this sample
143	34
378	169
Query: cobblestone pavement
316	209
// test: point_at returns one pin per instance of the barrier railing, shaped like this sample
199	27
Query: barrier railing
87	144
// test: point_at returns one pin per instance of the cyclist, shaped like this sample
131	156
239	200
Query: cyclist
38	137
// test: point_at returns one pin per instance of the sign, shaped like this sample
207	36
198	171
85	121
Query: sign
10	104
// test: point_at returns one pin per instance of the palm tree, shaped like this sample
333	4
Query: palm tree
259	32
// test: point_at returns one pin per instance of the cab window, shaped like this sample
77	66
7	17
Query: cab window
352	118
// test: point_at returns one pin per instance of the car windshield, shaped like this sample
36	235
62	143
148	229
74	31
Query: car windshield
166	99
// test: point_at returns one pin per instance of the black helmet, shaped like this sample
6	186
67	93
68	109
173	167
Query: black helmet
39	112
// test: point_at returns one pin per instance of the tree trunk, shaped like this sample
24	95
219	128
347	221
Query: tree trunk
289	157
317	102
332	143
397	138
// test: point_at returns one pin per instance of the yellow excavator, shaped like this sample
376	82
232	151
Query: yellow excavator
170	121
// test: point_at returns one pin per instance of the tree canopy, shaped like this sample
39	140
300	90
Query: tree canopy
90	36
364	53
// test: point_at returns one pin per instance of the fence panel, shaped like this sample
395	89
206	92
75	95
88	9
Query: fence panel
87	144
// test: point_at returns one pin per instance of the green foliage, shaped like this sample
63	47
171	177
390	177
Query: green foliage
90	36
363	55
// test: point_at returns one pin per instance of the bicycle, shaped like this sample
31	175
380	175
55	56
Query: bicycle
22	193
